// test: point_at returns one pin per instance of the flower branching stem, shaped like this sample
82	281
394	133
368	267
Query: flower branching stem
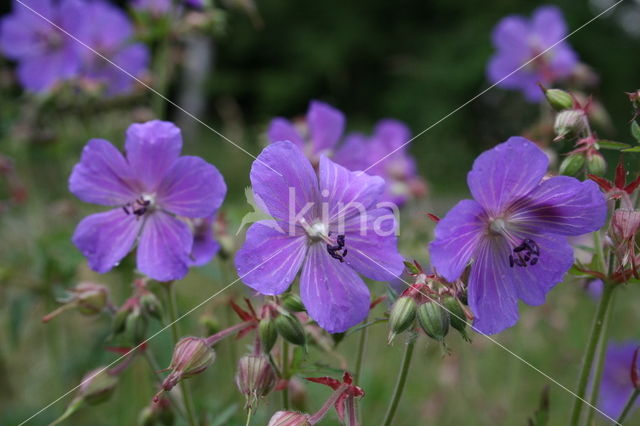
400	382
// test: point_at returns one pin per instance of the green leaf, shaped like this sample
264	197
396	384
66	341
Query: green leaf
413	269
635	130
634	149
607	144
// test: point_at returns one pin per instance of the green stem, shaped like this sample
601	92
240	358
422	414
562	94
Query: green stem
161	73
596	332
597	242
360	355
402	378
285	374
628	406
175	332
249	414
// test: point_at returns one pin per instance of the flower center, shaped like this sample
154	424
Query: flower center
318	231
141	206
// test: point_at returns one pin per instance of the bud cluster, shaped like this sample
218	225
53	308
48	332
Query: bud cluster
282	319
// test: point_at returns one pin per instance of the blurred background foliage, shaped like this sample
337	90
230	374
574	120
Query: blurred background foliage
412	60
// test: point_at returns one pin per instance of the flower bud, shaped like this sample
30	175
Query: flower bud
457	317
596	164
559	99
403	315
290	328
255	378
87	298
268	334
97	386
151	305
289	418
192	355
292	302
572	165
136	325
569	122
434	320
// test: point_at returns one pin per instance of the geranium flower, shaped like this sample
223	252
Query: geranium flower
205	245
328	226
148	189
616	385
108	30
45	55
519	40
514	232
376	155
317	134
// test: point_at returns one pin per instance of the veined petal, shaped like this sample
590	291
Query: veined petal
192	188
164	247
333	293
506	173
548	24
562	205
282	177
152	148
281	129
373	246
457	237
102	176
270	258
492	295
326	125
347	193
105	238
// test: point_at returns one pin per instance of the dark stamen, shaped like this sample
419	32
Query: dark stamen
526	254
333	250
139	207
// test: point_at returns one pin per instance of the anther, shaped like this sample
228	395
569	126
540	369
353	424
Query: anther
333	249
526	254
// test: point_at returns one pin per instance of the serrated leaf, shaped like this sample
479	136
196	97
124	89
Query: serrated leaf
635	130
634	149
607	144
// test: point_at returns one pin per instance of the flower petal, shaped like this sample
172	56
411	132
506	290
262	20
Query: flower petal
152	148
457	237
353	152
562	205
505	173
492	296
548	24
192	188
102	176
281	129
347	193
333	293
326	125
282	175
105	238
270	259
392	134
205	245
372	245
164	247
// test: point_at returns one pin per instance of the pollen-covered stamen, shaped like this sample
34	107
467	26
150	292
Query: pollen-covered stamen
525	254
334	250
139	207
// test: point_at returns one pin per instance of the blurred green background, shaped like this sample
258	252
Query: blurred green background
412	60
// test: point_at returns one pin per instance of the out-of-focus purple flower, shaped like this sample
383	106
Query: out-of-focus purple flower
376	155
196	4
514	230
155	7
148	189
108	30
205	245
45	55
616	386
518	40
328	225
594	289
317	134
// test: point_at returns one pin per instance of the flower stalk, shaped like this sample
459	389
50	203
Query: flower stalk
402	378
628	406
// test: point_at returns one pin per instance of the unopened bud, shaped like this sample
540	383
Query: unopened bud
151	305
572	165
97	386
434	320
289	418
559	99
596	164
457	317
290	328
268	334
87	298
136	325
292	302
403	315
255	378
569	122
192	355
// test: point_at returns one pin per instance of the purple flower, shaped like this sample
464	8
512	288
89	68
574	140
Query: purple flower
616	385
326	225
155	7
45	55
108	31
514	231
317	134
519	40
204	244
148	189
376	155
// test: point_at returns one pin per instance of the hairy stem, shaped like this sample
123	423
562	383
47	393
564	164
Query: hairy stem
402	378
